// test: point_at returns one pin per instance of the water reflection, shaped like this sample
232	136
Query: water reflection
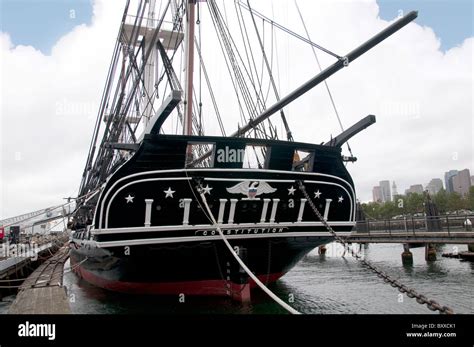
319	284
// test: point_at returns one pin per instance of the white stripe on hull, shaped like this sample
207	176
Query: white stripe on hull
211	227
166	240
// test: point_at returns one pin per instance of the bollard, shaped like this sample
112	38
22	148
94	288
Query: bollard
322	250
407	256
430	252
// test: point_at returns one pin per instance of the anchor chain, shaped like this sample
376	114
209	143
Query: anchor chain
411	293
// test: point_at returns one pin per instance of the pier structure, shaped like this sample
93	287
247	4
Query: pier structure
43	291
417	232
407	255
17	261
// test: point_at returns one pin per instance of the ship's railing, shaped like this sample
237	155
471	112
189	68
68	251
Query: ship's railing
412	224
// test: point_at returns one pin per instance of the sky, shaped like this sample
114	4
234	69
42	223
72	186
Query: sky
55	54
24	19
41	23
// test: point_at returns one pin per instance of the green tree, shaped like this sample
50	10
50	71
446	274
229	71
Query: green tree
441	200
470	199
454	201
372	210
414	203
389	210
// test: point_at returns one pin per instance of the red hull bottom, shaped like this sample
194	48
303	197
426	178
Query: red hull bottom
240	292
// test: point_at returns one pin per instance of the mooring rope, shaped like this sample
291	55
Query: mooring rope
239	260
75	265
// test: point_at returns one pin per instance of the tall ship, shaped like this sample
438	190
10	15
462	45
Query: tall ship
141	224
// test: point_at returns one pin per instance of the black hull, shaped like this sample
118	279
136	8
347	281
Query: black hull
198	268
147	231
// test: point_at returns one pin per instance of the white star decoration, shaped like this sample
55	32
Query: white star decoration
169	193
340	199
291	191
207	189
129	198
317	194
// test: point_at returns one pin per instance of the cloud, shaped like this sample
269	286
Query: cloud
48	108
422	97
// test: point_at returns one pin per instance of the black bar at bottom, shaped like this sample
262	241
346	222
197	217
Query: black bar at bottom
170	330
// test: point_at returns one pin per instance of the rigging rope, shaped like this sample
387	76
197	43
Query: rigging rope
233	60
270	75
325	81
198	22
239	260
53	209
288	31
246	41
211	92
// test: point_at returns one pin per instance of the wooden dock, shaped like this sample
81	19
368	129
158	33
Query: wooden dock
18	260
12	265
43	291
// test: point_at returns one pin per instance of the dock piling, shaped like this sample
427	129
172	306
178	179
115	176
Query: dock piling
322	250
430	252
407	256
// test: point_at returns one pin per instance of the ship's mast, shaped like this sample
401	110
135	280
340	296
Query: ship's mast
189	56
149	73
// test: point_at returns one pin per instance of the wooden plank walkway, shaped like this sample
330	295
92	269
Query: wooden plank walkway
43	291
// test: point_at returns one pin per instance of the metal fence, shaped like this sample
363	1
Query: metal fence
414	224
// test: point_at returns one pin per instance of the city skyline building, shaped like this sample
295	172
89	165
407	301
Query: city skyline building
414	188
434	186
458	181
385	191
394	190
462	182
377	194
448	180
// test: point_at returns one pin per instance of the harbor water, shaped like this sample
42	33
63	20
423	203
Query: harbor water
329	284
